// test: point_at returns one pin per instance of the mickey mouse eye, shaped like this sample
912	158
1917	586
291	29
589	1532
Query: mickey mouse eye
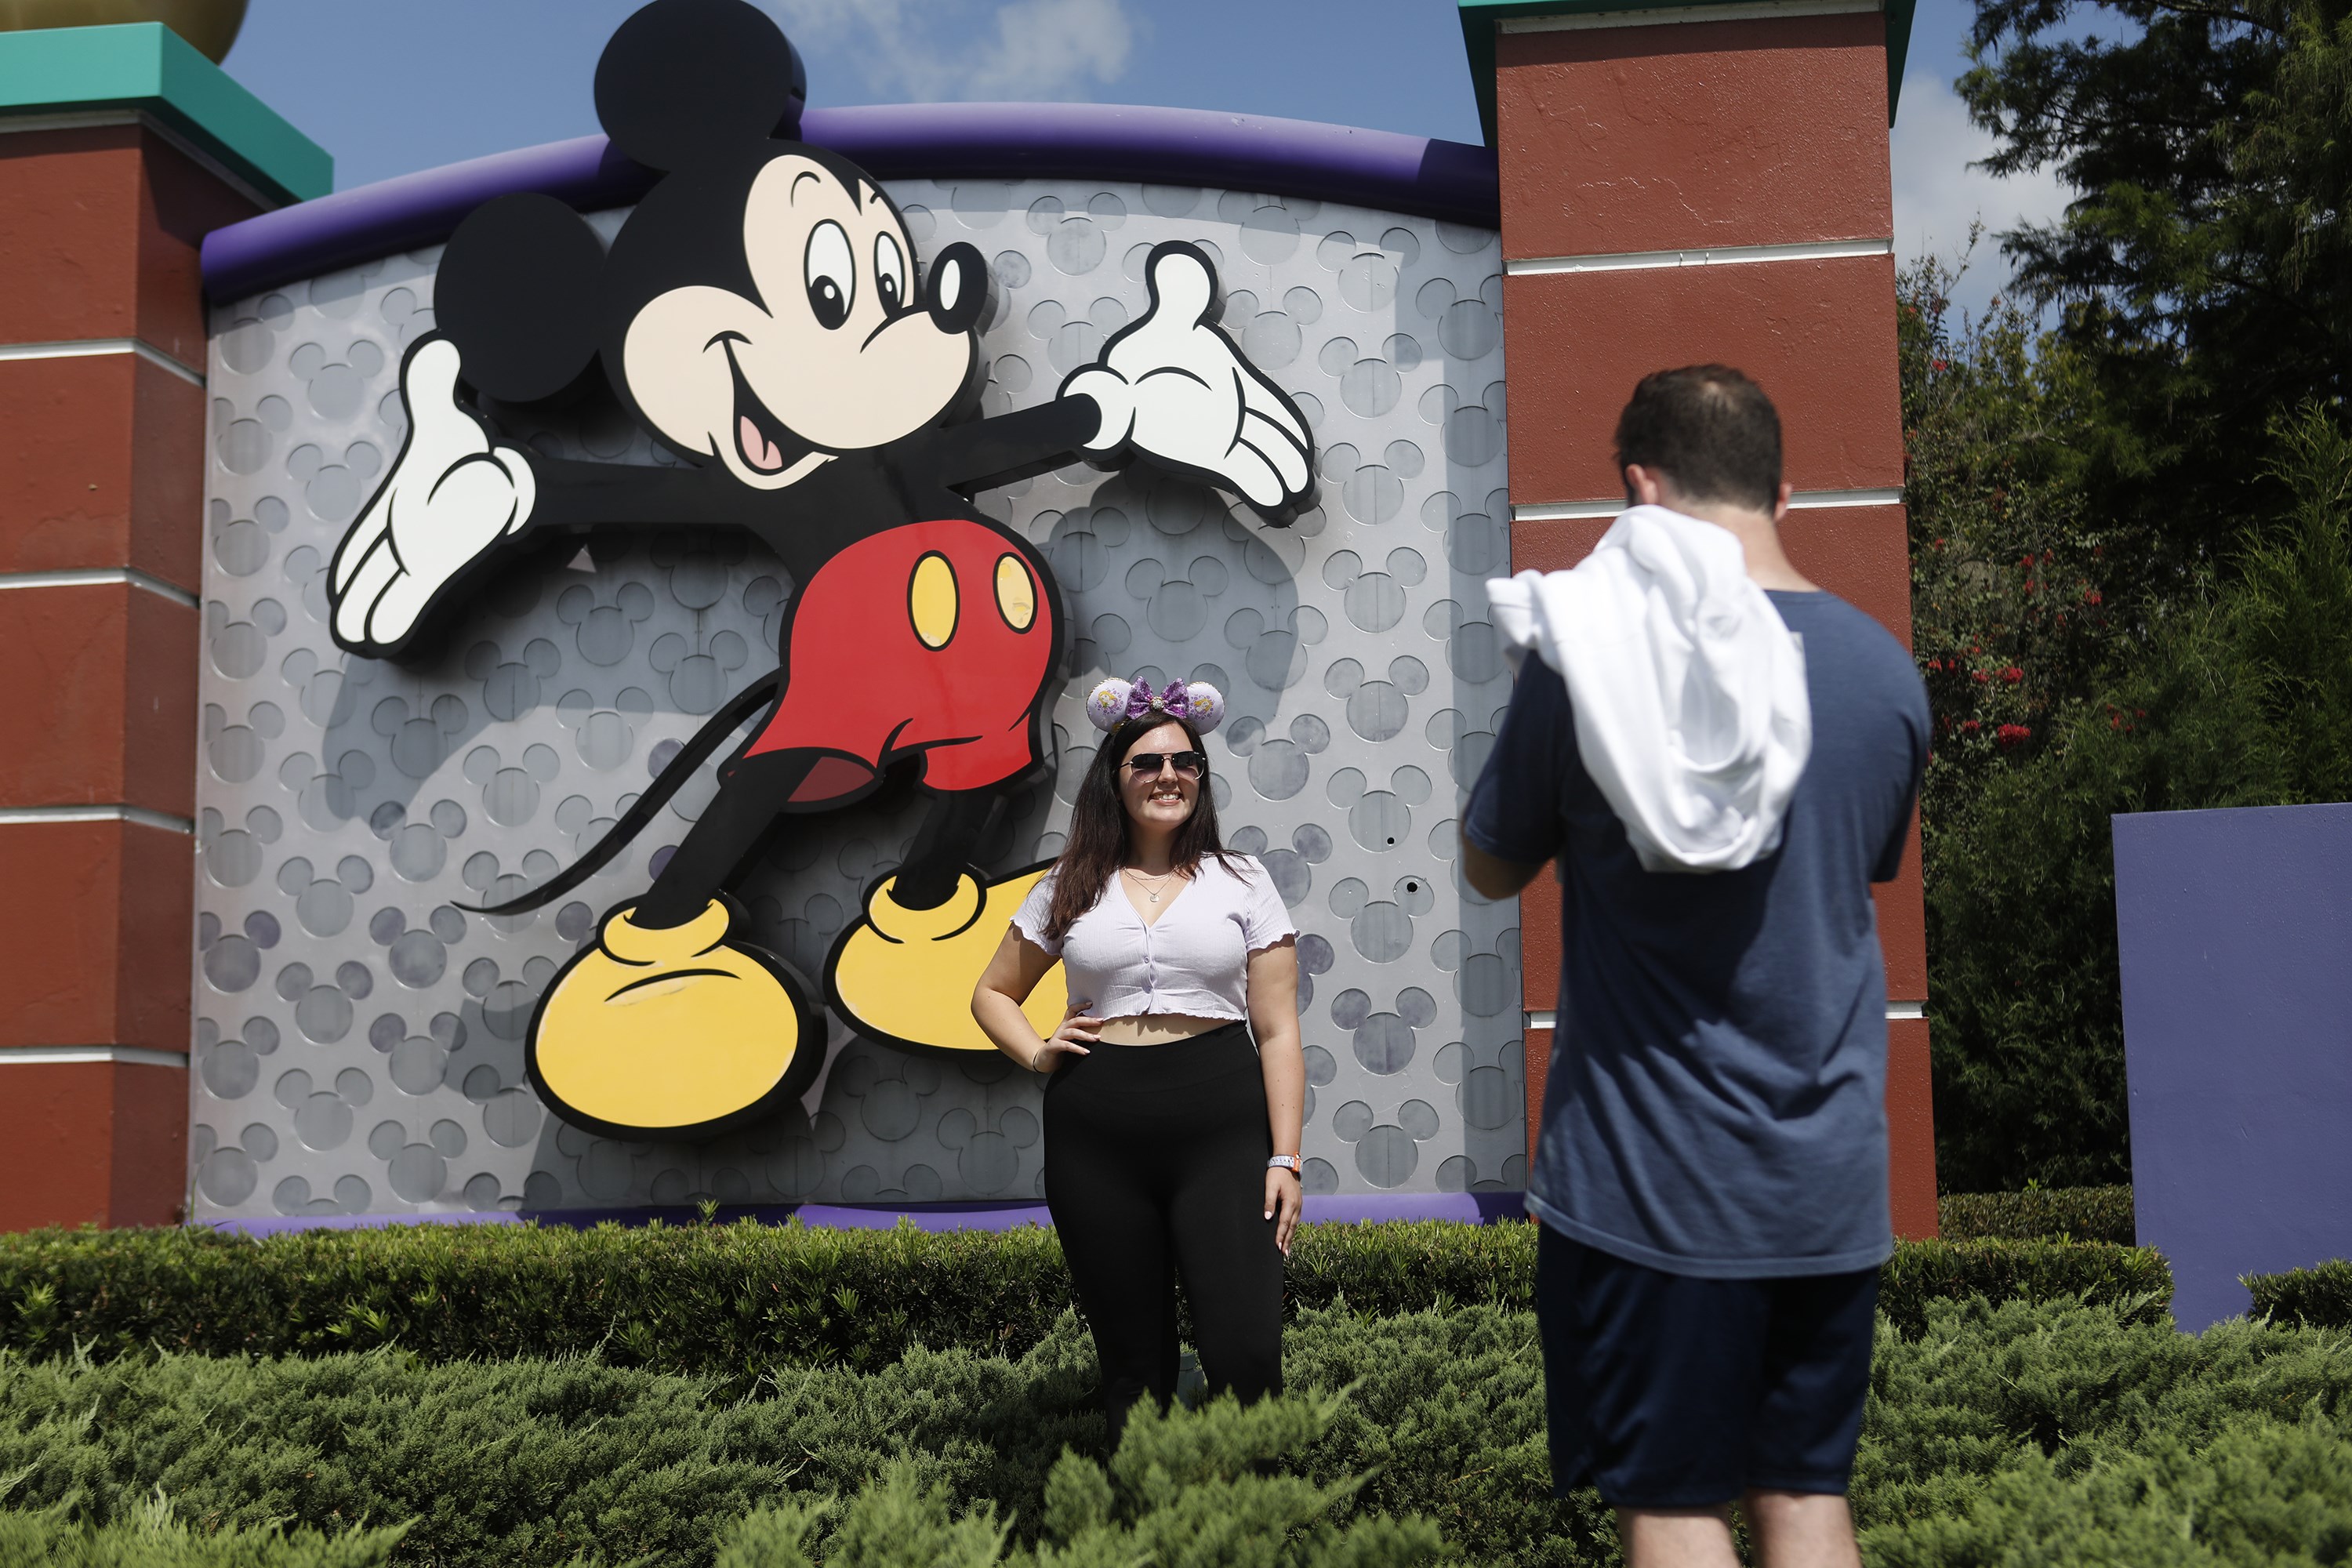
889	272
832	272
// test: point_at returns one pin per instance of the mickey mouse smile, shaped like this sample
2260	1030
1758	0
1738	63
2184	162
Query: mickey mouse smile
762	440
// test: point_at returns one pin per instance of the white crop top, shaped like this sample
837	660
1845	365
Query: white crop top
1195	961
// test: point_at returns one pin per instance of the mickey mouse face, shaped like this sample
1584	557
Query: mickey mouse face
1381	928
989	1158
760	307
510	687
232	855
607	632
1387	1150
510	794
323	905
1379	819
420	742
832	353
1385	1042
419	849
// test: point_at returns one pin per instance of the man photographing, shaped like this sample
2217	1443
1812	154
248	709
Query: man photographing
1721	758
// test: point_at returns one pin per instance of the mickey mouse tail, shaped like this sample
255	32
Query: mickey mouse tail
691	756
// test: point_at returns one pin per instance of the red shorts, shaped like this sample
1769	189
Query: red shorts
932	637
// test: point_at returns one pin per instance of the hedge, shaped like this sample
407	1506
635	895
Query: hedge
740	1300
2319	1296
2014	1432
2080	1213
1200	1489
45	1541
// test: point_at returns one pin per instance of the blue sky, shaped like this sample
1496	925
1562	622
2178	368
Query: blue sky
389	89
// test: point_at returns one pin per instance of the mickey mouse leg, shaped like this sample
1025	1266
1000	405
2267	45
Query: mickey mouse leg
751	795
906	971
671	1023
942	849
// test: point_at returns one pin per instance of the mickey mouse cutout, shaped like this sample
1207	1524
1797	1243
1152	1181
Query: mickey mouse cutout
761	315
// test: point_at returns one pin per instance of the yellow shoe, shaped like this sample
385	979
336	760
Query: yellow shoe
674	1033
906	975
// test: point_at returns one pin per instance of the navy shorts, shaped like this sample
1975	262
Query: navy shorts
1666	1391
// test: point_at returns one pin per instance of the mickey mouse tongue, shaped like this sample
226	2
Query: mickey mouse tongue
765	444
758	450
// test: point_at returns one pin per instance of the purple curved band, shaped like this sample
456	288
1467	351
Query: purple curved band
1462	1208
1450	181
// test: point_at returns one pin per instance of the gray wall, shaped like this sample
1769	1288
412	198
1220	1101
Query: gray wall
359	1041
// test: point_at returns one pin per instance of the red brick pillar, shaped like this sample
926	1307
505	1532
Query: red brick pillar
1689	183
103	347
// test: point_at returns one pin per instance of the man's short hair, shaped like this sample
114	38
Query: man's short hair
1709	430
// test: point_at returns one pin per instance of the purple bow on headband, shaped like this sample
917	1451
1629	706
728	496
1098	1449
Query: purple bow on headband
1143	700
1117	702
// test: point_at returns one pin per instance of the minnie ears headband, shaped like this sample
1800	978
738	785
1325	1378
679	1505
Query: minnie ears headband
1115	701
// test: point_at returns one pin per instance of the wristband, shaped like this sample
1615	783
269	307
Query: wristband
1284	1162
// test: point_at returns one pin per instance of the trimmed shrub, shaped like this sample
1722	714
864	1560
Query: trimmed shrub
530	1462
1198	1488
736	1300
2320	1297
1195	1489
1433	1420
2015	1434
2077	1214
2262	1494
154	1540
2134	1281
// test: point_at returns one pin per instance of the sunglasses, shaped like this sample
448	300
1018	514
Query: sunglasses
1188	764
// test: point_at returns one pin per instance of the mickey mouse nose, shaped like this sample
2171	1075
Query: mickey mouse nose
959	288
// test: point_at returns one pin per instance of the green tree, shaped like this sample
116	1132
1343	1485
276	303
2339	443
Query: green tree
2205	267
2238	694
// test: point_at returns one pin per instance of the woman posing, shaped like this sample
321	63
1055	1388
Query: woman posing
1171	1143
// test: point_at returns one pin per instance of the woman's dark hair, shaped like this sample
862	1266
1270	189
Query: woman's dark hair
1097	845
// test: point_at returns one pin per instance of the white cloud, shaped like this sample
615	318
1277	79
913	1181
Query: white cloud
928	51
1939	192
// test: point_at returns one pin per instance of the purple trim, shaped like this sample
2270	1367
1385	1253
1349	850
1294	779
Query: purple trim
1451	180
276	1225
1466	1209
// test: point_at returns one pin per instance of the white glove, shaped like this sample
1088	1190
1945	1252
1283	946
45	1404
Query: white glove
1175	388
450	496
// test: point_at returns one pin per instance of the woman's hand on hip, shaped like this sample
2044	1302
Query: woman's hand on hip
1283	1202
1070	1039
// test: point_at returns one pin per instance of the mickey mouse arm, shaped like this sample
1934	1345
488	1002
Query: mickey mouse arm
804	523
578	496
983	453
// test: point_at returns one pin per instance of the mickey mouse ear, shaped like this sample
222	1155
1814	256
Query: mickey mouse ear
519	294
1206	706
1106	703
682	79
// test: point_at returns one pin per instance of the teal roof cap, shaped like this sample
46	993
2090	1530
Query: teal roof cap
145	65
1480	18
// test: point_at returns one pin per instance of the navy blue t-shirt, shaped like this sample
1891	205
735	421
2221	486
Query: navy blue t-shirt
1716	1100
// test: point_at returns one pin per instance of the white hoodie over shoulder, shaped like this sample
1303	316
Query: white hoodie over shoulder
1689	689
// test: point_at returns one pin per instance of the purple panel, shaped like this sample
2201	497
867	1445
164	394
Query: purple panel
2236	935
1447	180
1469	1208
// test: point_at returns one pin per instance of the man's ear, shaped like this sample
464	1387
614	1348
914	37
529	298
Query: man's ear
685	80
519	292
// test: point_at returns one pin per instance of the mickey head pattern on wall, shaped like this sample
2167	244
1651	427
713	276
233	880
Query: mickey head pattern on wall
1273	634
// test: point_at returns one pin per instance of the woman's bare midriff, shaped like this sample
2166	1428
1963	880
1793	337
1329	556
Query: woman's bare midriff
1156	1028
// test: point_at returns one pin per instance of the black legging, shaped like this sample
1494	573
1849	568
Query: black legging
1155	1167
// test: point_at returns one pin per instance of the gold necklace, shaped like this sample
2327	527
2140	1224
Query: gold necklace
1154	886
